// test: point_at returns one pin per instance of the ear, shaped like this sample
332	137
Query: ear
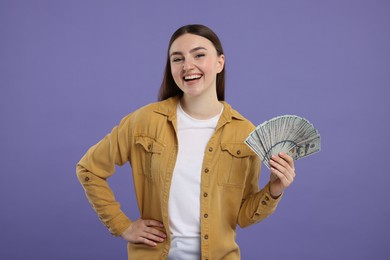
220	63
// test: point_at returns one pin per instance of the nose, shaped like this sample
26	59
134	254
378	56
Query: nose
188	65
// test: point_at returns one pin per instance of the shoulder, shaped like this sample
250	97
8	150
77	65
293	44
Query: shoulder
154	110
150	116
236	118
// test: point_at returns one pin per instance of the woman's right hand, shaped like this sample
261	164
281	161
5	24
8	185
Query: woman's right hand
144	232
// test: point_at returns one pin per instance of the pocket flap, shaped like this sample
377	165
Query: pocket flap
149	144
237	149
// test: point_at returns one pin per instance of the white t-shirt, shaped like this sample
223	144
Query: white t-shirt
184	198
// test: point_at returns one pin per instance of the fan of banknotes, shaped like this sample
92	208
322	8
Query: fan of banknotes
290	134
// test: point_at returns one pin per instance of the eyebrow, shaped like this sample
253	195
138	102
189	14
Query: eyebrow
191	51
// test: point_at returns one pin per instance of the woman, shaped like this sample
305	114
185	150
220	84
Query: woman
194	177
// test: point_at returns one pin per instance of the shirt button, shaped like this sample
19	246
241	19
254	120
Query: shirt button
206	215
210	149
206	236
205	194
266	198
238	152
86	178
149	147
206	170
264	203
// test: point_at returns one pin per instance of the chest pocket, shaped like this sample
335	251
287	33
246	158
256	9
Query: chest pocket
150	161
233	164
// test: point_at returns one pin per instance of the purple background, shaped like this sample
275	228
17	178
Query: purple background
70	70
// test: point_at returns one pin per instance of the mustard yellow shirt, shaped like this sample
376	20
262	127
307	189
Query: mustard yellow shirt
147	138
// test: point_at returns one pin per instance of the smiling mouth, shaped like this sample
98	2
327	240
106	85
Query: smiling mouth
192	77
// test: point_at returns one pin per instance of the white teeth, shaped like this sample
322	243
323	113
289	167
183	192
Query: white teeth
189	77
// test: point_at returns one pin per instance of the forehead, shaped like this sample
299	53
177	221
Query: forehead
188	41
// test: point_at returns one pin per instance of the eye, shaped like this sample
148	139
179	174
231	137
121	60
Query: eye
177	59
200	55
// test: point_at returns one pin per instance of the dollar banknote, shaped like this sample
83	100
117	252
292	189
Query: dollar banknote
290	134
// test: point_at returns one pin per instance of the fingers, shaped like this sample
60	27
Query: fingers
152	233
144	232
150	239
152	222
283	167
288	159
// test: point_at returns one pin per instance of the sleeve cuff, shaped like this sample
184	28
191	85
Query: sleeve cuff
119	224
267	204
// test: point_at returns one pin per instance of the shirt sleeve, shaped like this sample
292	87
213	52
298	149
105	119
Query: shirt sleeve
256	204
96	166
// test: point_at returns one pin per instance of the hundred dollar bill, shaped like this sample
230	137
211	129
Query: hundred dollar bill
290	134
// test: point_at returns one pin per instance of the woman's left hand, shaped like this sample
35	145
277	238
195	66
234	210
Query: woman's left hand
282	173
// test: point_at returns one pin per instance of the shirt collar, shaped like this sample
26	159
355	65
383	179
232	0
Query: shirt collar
168	108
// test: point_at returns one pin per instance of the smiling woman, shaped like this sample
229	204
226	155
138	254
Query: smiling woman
168	87
195	65
194	177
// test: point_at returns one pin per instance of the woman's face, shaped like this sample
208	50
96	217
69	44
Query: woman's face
195	65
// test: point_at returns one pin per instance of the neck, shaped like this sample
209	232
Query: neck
201	108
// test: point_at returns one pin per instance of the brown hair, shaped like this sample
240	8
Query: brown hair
168	86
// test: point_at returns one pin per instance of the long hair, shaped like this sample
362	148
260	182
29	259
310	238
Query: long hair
168	86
